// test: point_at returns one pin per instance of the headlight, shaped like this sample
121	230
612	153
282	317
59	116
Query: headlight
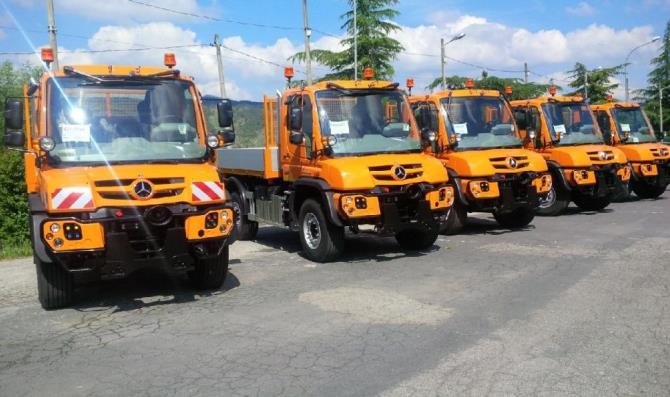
55	228
47	143
212	141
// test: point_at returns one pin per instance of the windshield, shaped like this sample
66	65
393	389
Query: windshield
367	122
571	123
480	122
122	121
631	123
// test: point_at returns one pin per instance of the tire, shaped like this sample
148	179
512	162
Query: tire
55	285
321	240
590	203
456	219
623	195
210	273
515	219
647	191
416	239
244	228
554	203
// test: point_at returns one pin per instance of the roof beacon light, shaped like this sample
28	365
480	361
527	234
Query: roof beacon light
368	73
610	97
469	83
288	73
169	60
47	55
552	90
508	90
410	84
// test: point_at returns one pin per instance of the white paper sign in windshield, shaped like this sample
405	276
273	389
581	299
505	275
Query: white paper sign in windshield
75	132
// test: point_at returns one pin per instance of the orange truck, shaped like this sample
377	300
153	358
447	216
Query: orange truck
626	126
120	175
584	170
478	142
339	154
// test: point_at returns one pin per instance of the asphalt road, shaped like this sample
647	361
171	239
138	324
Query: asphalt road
577	305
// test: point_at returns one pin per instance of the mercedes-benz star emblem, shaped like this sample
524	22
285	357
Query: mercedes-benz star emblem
143	189
399	172
602	155
512	162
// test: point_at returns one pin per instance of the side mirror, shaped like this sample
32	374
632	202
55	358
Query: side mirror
228	137
520	118
295	120
15	139
424	116
225	113
13	114
296	137
607	137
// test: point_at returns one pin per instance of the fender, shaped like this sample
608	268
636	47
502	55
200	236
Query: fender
326	197
455	180
37	216
238	186
557	173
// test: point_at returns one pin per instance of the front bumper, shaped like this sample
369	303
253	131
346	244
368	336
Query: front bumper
656	173
116	242
607	180
506	192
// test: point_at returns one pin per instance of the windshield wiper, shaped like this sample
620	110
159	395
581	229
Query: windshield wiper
71	70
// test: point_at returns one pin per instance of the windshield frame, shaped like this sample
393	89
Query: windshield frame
495	131
634	137
104	122
357	119
559	135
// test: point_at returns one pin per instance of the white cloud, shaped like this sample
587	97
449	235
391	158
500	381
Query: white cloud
583	9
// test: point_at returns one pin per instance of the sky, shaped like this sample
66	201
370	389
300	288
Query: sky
258	37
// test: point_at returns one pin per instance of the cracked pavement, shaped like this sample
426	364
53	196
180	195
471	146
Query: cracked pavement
577	305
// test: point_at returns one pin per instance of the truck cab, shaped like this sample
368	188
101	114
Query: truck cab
478	142
626	126
584	169
120	176
339	154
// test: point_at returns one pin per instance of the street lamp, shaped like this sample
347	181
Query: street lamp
442	44
625	63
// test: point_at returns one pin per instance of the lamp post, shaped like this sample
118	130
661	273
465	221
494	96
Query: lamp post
308	33
442	44
625	63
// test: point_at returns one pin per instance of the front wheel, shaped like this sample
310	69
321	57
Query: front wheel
321	240
458	216
55	285
647	191
590	203
416	240
555	202
245	229
210	273
516	218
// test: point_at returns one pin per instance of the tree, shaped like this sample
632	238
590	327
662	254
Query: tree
13	201
520	89
598	81
659	77
376	49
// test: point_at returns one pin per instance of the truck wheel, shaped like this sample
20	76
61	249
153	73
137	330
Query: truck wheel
245	229
623	194
321	240
516	218
416	239
456	219
647	191
554	202
55	285
590	203
210	273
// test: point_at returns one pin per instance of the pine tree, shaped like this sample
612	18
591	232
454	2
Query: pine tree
596	83
658	78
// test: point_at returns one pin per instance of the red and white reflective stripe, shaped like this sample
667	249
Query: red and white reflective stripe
207	191
72	198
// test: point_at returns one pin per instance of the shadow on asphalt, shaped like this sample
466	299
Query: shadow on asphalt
488	226
358	247
144	288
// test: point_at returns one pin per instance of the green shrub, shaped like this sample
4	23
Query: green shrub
14	227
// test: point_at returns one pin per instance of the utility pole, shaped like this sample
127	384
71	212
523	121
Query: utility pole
355	43
219	63
443	62
308	33
52	32
586	84
525	72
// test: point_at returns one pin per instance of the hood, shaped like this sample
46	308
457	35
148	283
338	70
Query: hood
584	155
89	188
366	172
483	163
642	152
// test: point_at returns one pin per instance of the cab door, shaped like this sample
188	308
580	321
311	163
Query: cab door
299	145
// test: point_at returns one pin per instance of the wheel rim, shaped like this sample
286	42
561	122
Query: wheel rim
237	212
549	200
311	229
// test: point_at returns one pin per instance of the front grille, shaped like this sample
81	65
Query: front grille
385	172
503	163
595	156
119	189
